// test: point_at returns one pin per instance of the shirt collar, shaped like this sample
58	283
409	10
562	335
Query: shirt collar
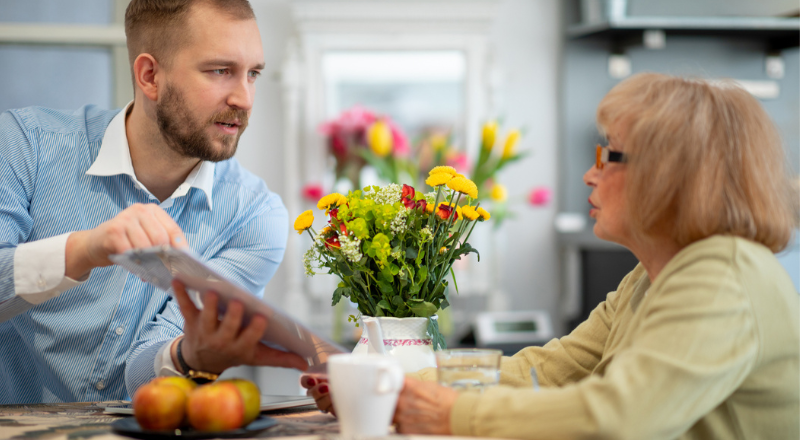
114	158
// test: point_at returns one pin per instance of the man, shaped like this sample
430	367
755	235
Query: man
78	187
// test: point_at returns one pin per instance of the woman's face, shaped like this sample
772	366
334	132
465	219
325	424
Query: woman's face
609	206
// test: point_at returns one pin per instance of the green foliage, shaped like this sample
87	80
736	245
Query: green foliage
391	258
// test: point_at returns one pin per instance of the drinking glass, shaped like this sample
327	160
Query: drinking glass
468	368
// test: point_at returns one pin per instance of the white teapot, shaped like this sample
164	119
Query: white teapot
406	339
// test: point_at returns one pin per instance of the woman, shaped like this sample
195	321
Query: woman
701	339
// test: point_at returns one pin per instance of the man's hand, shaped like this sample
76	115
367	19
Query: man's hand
213	345
137	227
424	408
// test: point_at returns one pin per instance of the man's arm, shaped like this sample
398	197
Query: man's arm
30	273
249	258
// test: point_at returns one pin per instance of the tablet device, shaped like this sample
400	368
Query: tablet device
160	265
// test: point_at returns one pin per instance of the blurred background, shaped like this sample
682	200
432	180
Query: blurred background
440	69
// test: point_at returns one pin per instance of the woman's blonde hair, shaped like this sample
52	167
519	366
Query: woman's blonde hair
704	159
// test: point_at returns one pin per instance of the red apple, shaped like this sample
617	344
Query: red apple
216	407
187	385
159	406
251	396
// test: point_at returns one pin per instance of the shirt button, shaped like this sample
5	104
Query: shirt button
41	283
118	331
100	385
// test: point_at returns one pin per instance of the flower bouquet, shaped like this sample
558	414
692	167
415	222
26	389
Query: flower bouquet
392	246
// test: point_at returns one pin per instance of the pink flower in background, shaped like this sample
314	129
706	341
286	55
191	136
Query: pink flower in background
540	196
458	160
354	120
312	192
400	147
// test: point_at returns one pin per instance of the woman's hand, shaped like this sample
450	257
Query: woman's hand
317	387
424	408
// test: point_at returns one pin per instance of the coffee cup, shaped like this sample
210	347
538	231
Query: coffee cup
364	390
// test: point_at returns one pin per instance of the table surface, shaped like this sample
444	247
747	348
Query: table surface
78	421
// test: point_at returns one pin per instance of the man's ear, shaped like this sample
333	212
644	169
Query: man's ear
145	68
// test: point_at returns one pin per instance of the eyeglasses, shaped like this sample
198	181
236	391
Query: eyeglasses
604	156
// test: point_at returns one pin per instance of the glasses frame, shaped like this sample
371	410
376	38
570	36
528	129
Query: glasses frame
604	156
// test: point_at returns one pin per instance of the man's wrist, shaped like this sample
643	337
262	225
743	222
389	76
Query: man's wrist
195	375
76	264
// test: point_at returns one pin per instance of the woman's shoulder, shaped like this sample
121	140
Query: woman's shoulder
747	264
724	249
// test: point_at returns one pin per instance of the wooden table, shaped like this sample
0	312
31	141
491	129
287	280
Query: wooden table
78	421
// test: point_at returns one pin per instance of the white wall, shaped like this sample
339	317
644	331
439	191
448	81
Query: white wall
261	146
526	43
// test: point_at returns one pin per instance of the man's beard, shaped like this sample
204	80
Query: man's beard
187	137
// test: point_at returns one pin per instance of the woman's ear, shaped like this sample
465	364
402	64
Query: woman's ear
145	68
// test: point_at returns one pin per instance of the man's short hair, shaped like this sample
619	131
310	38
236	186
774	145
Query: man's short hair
704	159
157	26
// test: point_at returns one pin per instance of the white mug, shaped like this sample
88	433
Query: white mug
364	389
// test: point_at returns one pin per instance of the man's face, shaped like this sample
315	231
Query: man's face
205	102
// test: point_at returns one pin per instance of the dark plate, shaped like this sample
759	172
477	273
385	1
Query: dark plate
128	426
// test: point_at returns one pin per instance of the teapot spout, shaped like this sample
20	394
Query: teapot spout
375	335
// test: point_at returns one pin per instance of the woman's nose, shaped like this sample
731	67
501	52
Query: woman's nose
590	177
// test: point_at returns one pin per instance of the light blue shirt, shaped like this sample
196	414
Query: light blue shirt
62	340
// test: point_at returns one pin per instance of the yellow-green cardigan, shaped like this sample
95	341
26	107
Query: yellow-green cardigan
709	350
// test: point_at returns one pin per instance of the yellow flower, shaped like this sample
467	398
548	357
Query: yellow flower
470	213
438	179
438	142
429	208
443	169
511	143
464	186
489	134
303	221
499	193
483	213
334	199
442	250
379	137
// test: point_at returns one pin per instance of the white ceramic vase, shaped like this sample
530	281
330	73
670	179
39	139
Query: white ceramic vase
403	338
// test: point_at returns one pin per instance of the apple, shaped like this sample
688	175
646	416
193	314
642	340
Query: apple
187	385
251	396
159	407
216	407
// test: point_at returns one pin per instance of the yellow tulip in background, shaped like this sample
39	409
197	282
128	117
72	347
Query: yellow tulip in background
379	138
489	135
490	161
499	193
511	144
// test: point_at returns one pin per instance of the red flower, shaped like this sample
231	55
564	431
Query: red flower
343	228
334	213
409	203
422	204
444	212
337	145
332	242
408	192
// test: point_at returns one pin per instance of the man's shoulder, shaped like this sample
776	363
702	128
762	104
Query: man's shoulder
231	173
90	120
230	178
